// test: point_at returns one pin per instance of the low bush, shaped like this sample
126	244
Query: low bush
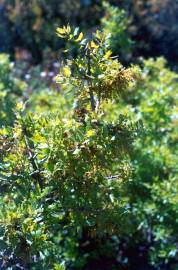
152	191
89	174
64	177
11	90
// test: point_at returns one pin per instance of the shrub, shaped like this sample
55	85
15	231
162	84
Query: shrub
155	160
152	191
116	22
65	177
79	188
11	89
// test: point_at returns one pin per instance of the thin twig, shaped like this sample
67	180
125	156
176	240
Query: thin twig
31	155
98	102
92	101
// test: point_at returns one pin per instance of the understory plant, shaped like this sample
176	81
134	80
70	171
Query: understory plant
11	90
79	188
152	193
64	178
116	22
155	161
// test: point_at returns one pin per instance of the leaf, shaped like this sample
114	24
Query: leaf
59	266
77	151
76	31
20	106
90	133
101	76
71	36
68	29
98	34
67	71
107	54
60	31
79	37
83	42
93	45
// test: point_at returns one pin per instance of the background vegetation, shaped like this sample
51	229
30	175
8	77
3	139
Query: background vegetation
88	135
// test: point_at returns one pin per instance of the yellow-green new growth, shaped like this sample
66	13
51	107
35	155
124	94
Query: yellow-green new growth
94	73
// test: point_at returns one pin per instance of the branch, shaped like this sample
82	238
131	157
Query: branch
92	101
31	155
98	102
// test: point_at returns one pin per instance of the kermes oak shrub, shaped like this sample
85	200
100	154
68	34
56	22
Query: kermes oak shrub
63	177
152	193
11	91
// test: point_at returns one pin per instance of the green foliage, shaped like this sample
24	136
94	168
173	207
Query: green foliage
152	192
76	180
116	22
11	89
61	175
155	158
94	72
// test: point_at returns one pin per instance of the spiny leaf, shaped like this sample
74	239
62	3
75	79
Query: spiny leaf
93	45
79	37
60	31
68	29
107	54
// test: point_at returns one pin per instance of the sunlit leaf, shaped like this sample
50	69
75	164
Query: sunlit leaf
67	71
93	45
79	37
